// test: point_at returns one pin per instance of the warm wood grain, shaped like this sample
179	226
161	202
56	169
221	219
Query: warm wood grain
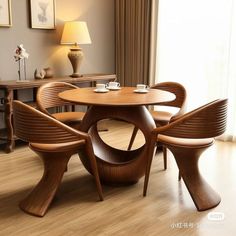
187	137
164	117
13	84
76	211
116	166
11	87
47	98
55	143
123	97
180	95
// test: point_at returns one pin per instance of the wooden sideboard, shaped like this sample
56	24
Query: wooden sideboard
10	92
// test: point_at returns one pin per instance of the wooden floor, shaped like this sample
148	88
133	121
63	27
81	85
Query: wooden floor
167	209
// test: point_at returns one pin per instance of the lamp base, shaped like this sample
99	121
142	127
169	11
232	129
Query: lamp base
75	56
76	75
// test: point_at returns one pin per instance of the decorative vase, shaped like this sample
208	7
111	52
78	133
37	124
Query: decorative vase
39	74
22	70
48	72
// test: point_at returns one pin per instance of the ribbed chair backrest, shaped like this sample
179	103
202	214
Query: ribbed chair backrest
47	95
34	126
205	122
175	88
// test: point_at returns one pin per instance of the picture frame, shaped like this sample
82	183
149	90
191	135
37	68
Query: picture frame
42	14
5	13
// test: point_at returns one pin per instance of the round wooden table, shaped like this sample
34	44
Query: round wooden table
117	166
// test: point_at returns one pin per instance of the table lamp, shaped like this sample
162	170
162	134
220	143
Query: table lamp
75	32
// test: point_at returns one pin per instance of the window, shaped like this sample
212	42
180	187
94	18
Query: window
196	47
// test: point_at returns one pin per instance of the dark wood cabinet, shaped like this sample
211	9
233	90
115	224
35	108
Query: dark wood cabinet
10	92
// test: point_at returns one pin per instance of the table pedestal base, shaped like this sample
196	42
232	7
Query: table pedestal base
118	166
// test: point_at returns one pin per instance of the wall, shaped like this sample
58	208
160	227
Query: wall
44	45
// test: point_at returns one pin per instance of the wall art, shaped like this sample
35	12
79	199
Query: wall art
5	13
43	14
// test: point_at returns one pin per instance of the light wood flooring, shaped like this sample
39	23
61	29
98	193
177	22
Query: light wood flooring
167	209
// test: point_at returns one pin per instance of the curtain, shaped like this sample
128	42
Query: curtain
196	47
133	41
153	42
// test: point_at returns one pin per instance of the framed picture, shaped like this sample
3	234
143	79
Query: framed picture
5	13
42	14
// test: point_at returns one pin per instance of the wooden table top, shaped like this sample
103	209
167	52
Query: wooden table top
123	97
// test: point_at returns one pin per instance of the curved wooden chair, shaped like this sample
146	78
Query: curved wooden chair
187	137
47	97
164	117
55	143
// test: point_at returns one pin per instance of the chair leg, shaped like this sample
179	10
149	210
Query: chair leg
201	192
38	201
135	131
165	157
151	152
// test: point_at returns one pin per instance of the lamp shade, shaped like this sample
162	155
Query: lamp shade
75	32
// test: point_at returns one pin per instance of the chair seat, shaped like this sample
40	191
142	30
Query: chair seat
182	142
69	117
161	116
57	147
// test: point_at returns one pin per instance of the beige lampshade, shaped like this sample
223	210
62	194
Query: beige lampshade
75	32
